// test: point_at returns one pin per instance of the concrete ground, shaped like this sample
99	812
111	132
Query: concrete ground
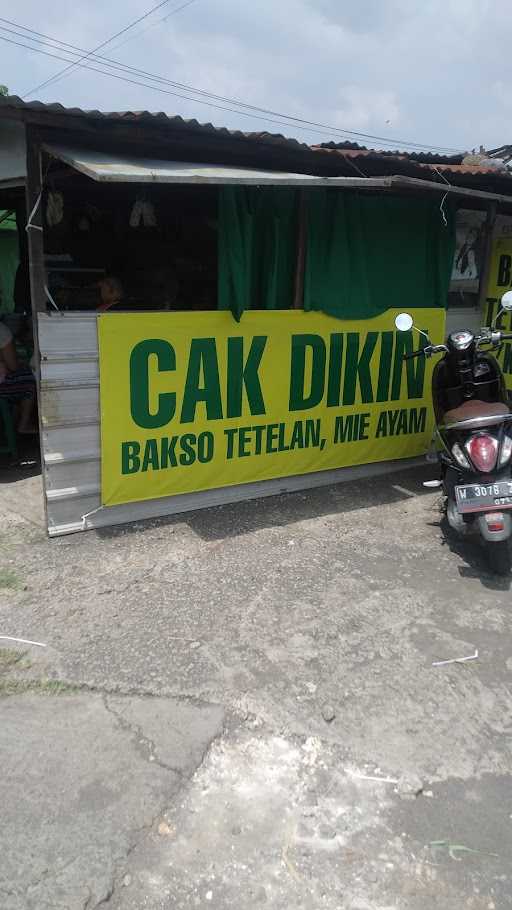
237	708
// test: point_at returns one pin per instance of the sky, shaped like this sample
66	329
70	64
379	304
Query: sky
433	72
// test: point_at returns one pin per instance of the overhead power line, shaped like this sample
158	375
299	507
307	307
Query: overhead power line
95	69
150	25
124	71
117	65
72	49
103	44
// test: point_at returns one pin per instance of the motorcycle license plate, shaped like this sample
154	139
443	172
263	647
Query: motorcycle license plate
480	497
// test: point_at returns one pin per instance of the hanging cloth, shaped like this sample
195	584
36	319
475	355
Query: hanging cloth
368	253
257	248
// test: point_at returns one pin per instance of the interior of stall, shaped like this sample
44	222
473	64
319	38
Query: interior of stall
139	249
170	246
18	409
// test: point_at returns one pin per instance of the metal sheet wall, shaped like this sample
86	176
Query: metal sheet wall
70	415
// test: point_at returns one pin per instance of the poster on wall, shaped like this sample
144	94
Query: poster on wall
195	401
500	280
469	250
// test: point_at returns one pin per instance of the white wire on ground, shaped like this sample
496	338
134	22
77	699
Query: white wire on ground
22	641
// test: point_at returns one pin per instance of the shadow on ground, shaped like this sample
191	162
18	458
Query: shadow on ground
283	509
237	519
471	550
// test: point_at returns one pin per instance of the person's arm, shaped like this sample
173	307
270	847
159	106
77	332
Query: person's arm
9	356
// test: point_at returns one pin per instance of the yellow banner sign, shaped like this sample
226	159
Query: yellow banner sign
195	401
500	280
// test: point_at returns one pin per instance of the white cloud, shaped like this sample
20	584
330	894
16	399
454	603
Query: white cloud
438	71
363	107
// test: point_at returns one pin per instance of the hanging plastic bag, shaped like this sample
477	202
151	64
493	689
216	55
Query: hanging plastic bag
143	214
54	209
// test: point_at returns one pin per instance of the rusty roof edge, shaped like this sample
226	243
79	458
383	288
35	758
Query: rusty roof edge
414	156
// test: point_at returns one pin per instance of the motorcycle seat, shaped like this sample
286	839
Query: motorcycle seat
475	409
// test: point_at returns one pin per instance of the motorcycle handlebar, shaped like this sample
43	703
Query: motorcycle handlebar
493	338
427	352
413	354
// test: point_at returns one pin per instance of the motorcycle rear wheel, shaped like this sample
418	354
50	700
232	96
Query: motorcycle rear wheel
499	557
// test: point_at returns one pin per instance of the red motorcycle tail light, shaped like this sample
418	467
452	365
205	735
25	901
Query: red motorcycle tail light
483	451
495	521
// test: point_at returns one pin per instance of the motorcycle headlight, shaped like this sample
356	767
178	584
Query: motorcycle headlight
459	456
506	450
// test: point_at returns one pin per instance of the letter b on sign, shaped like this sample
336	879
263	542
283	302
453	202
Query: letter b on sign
504	269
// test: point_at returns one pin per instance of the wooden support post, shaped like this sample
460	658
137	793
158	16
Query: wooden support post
485	271
298	302
35	233
37	272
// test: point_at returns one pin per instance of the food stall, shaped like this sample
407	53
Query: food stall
282	370
248	344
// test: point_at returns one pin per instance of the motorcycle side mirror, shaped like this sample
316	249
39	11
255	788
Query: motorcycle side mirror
506	301
505	307
404	322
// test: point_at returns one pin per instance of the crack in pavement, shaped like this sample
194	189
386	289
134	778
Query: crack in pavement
138	835
87	738
141	739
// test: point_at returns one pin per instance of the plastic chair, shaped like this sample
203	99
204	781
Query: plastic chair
11	446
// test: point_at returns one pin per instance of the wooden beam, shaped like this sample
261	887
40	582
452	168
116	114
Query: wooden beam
488	230
414	183
298	301
34	188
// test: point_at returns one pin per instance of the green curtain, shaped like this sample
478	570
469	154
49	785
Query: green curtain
9	260
367	253
257	248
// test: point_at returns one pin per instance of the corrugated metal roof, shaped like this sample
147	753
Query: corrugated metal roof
348	149
13	102
418	157
333	158
463	169
432	163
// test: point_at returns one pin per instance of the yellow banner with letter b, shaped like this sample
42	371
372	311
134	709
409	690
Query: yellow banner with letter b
500	281
194	401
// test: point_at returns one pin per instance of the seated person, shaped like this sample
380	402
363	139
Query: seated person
17	382
111	293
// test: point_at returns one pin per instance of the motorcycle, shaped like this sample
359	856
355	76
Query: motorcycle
473	434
